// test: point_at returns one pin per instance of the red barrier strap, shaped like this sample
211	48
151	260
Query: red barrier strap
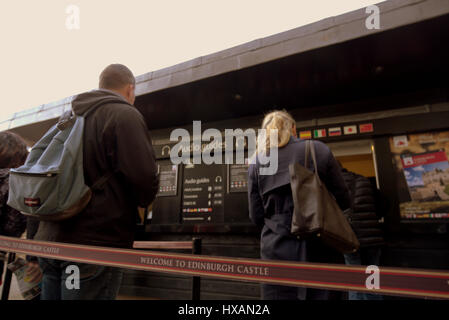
163	244
392	281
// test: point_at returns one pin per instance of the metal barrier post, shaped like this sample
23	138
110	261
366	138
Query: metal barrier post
196	281
8	276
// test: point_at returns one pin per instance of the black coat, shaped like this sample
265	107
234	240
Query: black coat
363	217
116	139
271	203
12	222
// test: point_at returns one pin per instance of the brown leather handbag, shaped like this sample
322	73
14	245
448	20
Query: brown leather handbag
316	212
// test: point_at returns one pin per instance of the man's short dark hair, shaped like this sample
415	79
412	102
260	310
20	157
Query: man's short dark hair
116	76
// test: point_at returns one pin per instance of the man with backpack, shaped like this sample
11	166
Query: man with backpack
120	171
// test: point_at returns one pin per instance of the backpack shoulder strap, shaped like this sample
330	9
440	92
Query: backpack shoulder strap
99	184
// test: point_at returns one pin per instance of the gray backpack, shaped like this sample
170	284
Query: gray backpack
50	185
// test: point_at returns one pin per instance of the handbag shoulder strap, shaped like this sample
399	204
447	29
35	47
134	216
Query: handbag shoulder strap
314	161
306	161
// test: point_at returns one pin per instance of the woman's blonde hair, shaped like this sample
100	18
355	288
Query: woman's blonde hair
281	121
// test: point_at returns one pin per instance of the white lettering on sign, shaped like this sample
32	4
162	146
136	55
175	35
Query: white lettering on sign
157	261
253	270
50	250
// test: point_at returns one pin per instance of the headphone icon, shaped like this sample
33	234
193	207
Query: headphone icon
218	179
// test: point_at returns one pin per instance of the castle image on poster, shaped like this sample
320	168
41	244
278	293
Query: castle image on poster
422	168
427	176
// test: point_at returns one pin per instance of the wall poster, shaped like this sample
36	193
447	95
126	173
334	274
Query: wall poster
422	169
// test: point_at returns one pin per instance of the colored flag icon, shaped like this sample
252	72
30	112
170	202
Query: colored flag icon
400	141
305	135
333	132
350	129
366	127
320	133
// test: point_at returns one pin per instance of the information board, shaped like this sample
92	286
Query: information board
238	178
168	175
422	169
203	193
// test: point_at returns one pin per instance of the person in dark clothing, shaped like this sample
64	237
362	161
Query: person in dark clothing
365	223
116	140
13	153
271	205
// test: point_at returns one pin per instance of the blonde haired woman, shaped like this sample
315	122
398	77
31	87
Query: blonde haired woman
271	204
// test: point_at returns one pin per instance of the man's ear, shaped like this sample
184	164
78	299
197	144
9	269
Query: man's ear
131	93
129	90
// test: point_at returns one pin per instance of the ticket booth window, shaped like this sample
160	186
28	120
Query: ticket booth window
356	156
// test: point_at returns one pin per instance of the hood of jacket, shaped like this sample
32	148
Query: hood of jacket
85	101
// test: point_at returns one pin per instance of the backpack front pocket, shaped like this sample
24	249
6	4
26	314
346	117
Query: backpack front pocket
34	193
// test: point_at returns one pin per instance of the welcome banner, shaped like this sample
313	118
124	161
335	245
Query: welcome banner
388	281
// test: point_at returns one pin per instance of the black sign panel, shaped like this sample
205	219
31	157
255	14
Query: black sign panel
238	178
166	206
168	174
203	193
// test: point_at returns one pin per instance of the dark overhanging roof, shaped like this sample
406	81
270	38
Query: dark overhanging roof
329	31
395	68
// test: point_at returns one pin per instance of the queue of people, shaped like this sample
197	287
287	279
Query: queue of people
117	145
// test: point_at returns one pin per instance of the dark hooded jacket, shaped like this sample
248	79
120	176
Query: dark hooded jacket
363	216
12	222
116	139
